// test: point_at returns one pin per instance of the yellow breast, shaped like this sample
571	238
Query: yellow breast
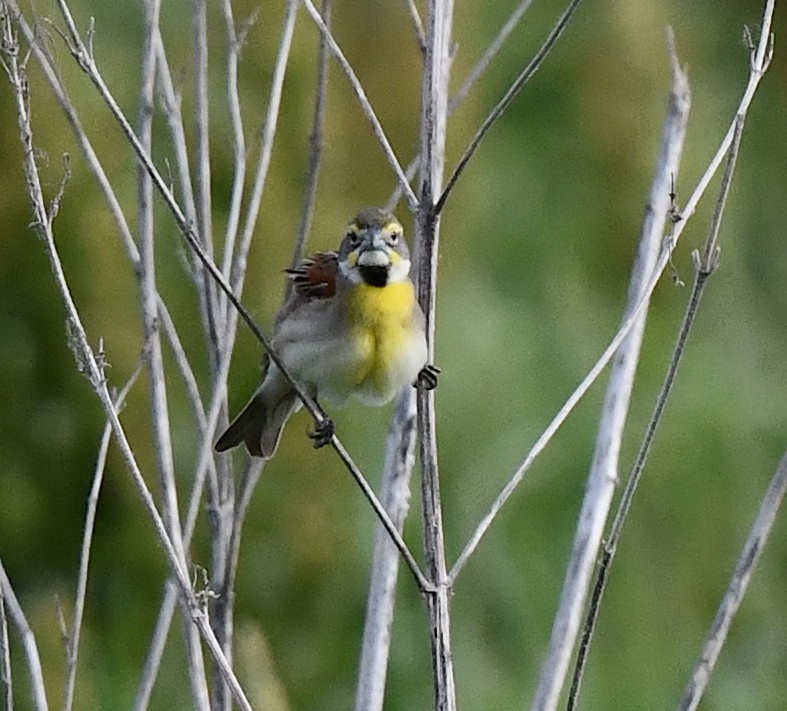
383	328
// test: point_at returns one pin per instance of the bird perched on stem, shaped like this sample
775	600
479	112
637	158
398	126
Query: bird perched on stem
351	327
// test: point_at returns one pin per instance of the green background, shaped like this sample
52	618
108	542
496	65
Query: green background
537	244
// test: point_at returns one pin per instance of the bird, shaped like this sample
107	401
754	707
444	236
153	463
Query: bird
351	328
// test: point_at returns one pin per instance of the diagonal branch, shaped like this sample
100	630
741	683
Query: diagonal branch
315	149
395	496
705	268
603	475
86	62
6	677
9	600
508	97
72	647
92	366
491	52
366	106
744	568
760	59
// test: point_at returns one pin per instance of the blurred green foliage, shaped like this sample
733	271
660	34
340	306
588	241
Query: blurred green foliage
537	244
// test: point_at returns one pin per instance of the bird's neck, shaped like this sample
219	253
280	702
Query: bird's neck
376	304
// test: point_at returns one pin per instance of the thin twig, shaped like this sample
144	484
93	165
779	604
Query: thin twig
509	96
170	103
603	475
744	568
238	272
250	475
417	25
26	633
705	268
234	43
6	678
92	367
315	149
491	52
395	496
366	106
199	20
85	61
760	61
72	649
206	287
473	76
150	668
162	435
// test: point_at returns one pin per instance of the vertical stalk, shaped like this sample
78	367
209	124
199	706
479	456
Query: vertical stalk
434	114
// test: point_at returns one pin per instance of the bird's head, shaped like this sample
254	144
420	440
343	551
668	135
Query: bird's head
373	250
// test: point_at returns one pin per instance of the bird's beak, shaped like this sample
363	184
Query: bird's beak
373	251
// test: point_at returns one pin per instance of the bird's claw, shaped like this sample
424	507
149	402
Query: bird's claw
427	378
323	433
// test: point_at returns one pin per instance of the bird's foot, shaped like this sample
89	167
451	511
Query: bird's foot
323	433
427	378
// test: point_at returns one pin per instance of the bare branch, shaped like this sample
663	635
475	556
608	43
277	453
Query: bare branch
6	678
483	64
149	302
687	212
395	496
603	475
199	21
417	24
238	274
744	568
509	96
235	42
434	119
92	367
475	73
315	149
72	651
9	600
366	107
705	268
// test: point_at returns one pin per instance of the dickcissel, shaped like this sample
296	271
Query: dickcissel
351	328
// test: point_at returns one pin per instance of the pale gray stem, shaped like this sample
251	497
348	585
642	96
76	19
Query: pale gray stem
603	476
238	275
366	106
235	42
502	105
206	286
72	648
744	568
6	678
11	603
417	24
202	122
158	394
315	149
760	60
483	64
395	497
92	367
434	118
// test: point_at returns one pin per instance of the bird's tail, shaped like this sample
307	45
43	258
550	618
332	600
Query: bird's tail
261	422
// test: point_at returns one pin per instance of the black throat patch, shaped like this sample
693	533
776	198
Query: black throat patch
374	275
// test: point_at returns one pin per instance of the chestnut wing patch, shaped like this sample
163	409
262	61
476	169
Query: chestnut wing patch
315	276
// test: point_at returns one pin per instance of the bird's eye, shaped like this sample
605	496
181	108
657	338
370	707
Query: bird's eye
354	237
395	237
